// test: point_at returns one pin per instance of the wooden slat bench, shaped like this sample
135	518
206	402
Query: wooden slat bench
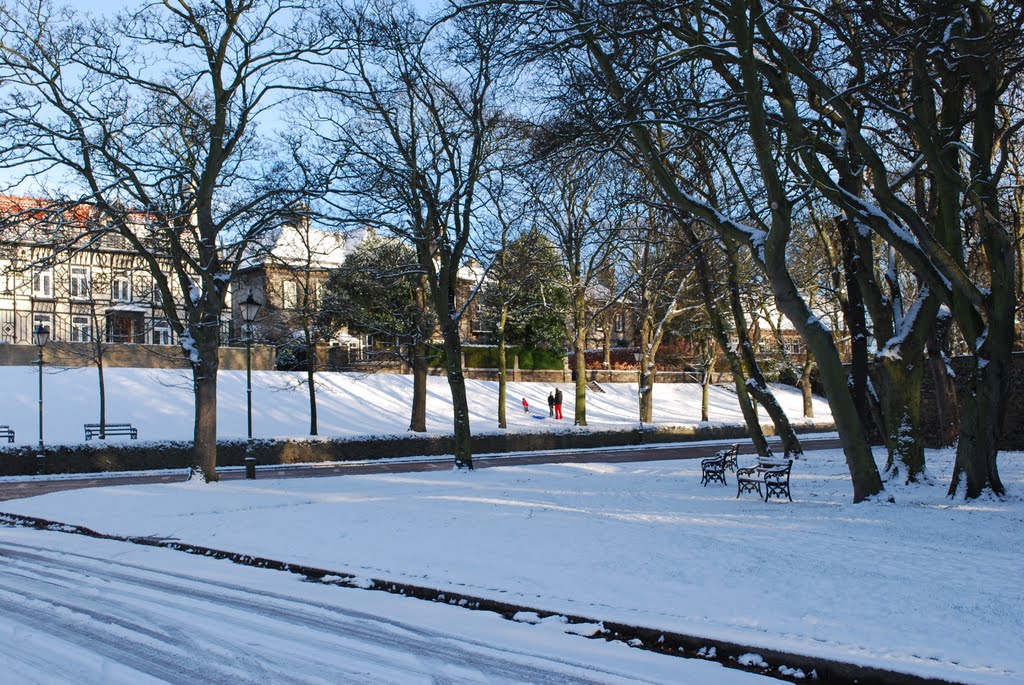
93	430
7	432
773	474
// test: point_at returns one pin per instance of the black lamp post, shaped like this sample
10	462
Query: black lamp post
250	307
40	336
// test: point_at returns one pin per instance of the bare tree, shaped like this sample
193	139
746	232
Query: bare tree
418	117
579	202
151	116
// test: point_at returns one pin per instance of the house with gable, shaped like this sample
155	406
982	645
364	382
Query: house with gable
286	271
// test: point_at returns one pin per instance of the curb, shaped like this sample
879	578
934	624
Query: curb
777	664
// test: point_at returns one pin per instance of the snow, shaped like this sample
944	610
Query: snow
886	584
159	403
81	611
889	584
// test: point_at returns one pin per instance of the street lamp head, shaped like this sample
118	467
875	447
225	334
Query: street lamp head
638	356
40	335
250	307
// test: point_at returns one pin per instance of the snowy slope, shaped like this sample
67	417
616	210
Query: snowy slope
159	403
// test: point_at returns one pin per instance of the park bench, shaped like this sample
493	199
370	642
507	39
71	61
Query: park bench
7	432
729	455
712	470
773	474
93	430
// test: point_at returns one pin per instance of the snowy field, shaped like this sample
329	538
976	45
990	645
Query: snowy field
921	584
159	403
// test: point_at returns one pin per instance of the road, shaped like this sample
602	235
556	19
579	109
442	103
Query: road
14	489
80	610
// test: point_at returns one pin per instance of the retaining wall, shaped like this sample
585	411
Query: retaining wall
132	356
141	455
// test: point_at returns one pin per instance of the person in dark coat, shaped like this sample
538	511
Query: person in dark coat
551	404
558	403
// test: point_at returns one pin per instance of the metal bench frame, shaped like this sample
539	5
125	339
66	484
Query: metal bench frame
93	430
771	473
712	470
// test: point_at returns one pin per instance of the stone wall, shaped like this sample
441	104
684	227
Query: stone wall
1013	426
133	356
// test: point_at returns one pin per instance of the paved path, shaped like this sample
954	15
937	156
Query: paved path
656	452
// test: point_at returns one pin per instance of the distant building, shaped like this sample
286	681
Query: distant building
286	271
58	272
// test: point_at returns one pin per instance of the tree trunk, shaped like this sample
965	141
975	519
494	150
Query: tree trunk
103	397
901	412
984	402
756	384
418	418
645	372
204	376
705	385
721	335
311	364
980	425
418	362
462	443
502	370
947	412
856	321
647	391
805	386
580	346
607	344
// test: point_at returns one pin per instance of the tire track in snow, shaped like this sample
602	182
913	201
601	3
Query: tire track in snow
133	615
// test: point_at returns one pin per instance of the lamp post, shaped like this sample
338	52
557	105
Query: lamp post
250	307
639	388
40	336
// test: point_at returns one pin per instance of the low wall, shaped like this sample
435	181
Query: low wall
1013	426
142	456
131	356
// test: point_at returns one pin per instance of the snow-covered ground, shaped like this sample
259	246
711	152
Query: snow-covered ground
920	584
159	403
80	611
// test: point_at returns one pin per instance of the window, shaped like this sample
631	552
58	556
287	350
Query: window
289	296
42	283
619	326
121	289
46	321
482	323
161	333
80	282
81	329
116	242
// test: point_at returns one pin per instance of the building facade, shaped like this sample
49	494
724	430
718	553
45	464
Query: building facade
82	284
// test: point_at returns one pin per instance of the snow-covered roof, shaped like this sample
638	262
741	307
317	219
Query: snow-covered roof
298	245
472	271
770	314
